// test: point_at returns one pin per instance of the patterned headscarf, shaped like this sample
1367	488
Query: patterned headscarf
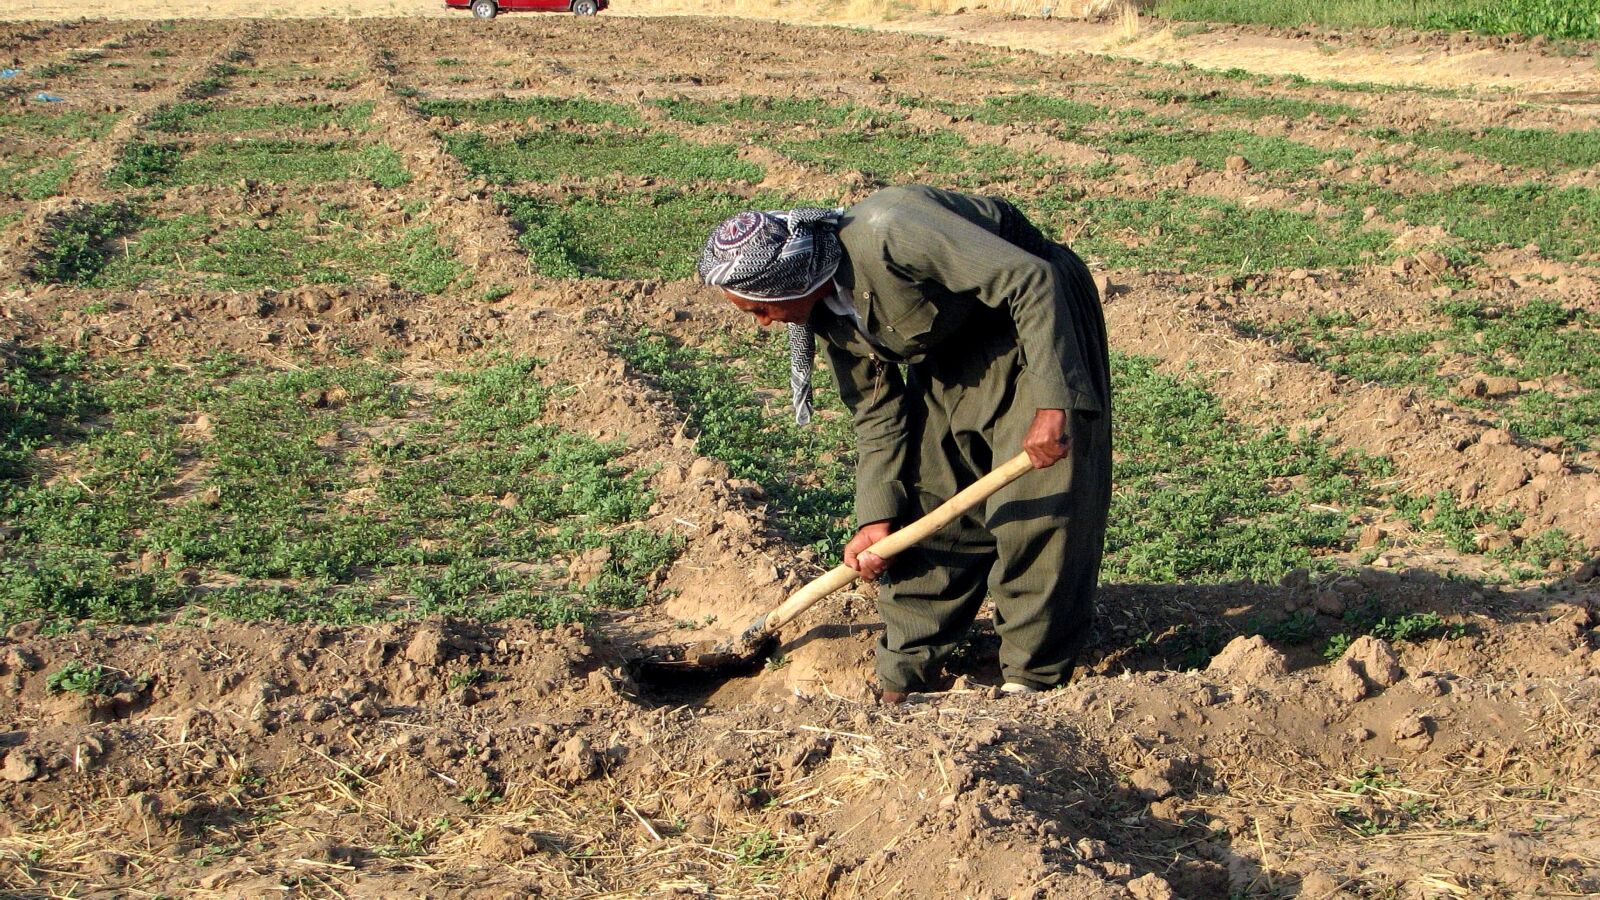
775	256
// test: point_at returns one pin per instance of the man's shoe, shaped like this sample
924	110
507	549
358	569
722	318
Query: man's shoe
892	698
1017	687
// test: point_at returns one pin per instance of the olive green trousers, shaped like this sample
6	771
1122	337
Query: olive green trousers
1034	547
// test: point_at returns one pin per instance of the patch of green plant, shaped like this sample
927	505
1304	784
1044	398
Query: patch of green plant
1542	339
1533	148
207	117
215	80
1164	146
464	502
1563	222
77	245
36	178
79	678
191	249
1576	19
1412	627
71	124
1192	233
543	109
1201	498
547	156
141	164
897	153
266	160
772	110
53	70
759	848
637	234
1252	106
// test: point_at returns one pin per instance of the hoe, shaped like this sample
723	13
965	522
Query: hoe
752	647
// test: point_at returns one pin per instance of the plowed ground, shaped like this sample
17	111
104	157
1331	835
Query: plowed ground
362	424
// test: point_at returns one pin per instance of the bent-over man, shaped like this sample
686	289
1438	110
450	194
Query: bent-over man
1003	345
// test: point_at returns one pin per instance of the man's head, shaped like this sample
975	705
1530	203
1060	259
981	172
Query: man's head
774	265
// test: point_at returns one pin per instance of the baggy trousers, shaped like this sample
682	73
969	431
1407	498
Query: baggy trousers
1034	547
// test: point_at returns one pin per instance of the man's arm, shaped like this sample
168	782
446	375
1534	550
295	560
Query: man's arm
875	395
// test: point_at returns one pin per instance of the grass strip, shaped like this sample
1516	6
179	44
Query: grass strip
197	251
205	117
899	153
542	109
1542	342
547	156
330	494
71	124
654	234
1193	233
769	110
257	159
1574	19
1534	148
1249	106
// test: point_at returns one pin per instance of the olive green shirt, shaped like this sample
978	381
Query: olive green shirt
919	263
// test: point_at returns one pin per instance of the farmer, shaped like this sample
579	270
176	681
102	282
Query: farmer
1004	348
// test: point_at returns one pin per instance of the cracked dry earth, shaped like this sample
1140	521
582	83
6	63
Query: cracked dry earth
240	759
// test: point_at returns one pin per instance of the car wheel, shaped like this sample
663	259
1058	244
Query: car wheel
484	9
585	7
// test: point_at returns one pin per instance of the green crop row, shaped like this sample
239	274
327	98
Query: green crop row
326	494
1575	19
115	246
203	117
142	164
1541	341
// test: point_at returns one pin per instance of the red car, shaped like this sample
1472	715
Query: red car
488	9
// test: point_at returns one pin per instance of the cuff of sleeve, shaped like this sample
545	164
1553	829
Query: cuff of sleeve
1053	393
875	503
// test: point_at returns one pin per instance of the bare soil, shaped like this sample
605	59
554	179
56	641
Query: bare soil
451	758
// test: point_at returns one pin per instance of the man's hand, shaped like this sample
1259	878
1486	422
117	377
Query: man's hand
870	565
1047	440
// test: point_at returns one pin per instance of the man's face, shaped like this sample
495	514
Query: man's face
789	312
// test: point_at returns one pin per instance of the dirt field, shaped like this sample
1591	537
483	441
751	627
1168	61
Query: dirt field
363	425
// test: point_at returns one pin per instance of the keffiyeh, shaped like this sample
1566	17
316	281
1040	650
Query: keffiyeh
775	256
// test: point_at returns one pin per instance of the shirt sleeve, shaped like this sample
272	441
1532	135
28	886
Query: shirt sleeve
928	242
874	392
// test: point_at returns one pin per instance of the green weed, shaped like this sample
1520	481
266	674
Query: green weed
1201	498
1564	222
143	165
78	678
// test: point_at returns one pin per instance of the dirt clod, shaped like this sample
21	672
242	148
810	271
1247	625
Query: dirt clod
1248	659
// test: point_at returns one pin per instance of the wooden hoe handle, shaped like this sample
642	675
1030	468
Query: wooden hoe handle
909	536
